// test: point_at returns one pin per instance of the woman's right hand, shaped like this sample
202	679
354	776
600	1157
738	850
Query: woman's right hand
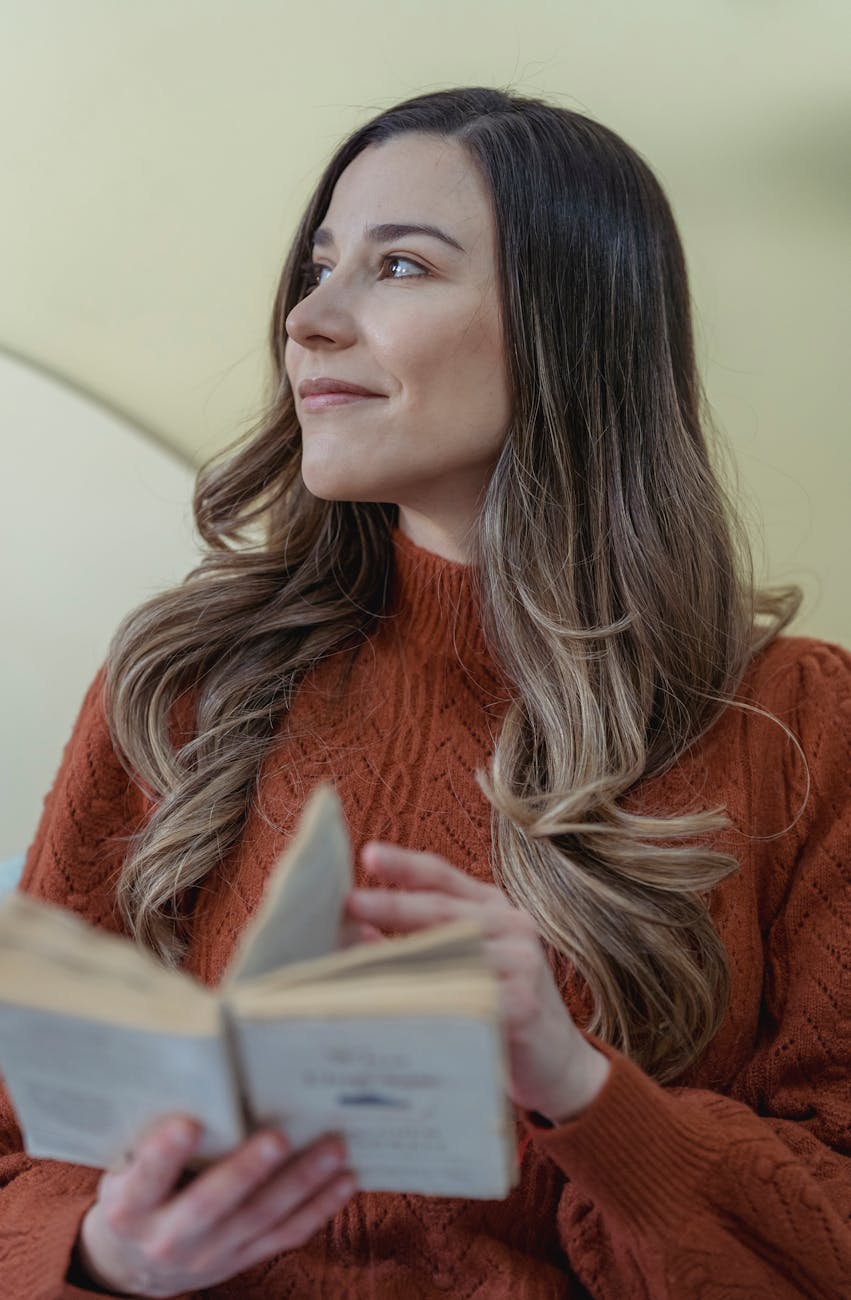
145	1237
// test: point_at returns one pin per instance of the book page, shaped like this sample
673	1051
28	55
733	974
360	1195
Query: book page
52	959
301	912
97	1039
422	1100
84	1089
457	946
464	990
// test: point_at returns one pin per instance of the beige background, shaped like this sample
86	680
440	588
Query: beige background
155	158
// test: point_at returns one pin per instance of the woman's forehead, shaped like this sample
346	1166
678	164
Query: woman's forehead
409	181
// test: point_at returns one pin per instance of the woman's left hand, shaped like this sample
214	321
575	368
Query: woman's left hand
554	1069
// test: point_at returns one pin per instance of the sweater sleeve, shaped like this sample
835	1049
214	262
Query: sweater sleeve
71	861
677	1192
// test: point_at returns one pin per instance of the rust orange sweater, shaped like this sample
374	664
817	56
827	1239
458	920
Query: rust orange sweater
736	1181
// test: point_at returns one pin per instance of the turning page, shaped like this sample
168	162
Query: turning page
301	912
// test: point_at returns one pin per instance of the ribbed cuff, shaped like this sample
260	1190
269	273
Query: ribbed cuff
632	1151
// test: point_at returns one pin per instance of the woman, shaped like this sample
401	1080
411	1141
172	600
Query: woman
511	546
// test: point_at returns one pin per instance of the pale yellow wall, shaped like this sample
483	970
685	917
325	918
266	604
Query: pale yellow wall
156	156
95	519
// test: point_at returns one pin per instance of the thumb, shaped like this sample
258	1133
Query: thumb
353	932
369	933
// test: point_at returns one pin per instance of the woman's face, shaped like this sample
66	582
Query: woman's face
415	320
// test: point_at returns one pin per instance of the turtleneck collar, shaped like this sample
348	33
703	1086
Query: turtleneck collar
435	601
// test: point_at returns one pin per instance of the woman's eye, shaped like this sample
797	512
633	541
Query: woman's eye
410	263
313	270
310	273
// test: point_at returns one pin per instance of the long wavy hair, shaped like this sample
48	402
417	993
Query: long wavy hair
614	578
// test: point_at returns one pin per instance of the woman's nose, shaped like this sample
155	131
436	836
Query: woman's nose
326	318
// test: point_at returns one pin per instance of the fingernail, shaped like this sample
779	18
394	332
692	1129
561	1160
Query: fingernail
272	1148
329	1160
182	1135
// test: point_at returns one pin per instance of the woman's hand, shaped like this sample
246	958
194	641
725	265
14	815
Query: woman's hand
145	1237
554	1070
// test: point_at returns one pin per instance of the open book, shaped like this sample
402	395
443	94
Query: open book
397	1044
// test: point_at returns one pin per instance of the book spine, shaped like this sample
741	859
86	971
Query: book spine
231	1039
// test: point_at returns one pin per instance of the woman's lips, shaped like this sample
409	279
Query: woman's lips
319	401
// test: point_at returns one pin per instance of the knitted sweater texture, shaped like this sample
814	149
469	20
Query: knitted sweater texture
733	1182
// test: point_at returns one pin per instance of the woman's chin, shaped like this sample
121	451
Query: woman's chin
330	486
342	479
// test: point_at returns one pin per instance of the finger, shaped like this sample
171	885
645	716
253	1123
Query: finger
397	910
356	931
517	956
299	1227
300	1180
369	933
155	1166
521	969
403	912
422	870
217	1192
350	933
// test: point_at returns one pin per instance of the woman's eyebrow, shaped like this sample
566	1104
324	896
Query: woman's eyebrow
388	232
